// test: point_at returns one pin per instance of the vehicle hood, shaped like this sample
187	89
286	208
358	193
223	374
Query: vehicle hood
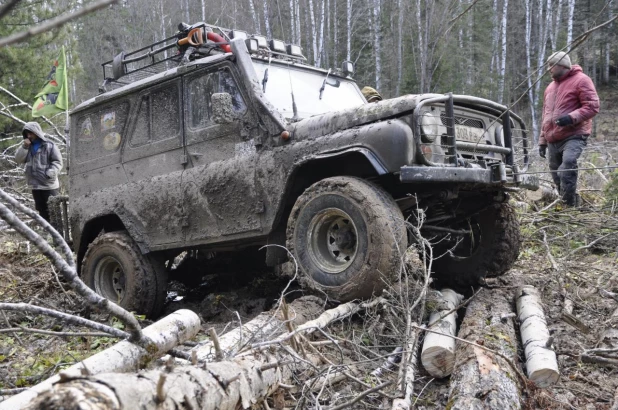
332	122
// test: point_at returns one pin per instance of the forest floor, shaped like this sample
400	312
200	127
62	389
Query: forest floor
580	266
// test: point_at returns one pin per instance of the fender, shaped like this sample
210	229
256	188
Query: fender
373	159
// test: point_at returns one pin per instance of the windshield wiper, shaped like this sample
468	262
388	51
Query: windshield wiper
324	84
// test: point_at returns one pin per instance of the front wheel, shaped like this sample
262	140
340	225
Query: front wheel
115	268
490	248
348	237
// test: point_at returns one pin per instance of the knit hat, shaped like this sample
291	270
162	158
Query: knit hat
370	94
559	58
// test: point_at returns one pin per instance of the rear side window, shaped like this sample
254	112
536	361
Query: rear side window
158	116
201	89
100	133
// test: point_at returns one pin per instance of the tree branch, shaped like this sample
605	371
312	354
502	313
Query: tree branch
70	274
24	307
53	23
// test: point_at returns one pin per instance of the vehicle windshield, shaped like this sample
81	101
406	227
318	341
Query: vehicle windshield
337	94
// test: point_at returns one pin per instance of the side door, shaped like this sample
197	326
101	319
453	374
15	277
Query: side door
153	162
219	185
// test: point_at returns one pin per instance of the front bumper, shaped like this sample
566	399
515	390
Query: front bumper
494	175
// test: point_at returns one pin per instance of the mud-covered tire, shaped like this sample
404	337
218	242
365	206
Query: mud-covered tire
497	249
116	269
347	236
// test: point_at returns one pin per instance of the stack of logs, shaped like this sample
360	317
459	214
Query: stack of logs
239	370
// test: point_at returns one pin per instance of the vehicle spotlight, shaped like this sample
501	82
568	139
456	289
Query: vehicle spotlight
348	68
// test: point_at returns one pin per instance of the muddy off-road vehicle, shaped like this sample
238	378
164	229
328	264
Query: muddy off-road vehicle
214	141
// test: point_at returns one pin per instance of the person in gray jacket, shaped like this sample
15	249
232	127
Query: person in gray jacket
43	164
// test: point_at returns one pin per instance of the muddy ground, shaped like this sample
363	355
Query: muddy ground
579	267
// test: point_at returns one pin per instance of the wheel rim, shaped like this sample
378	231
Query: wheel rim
109	279
332	239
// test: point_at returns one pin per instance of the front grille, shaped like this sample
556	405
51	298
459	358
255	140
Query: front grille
459	120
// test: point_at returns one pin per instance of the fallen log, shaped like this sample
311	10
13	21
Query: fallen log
122	357
438	354
482	379
234	384
262	327
541	364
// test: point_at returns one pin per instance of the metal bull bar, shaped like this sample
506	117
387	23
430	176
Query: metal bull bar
453	170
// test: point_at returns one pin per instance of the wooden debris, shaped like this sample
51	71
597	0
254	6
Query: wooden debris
482	379
438	354
571	319
541	364
124	356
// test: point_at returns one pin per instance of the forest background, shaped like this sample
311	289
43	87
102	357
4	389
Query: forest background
494	49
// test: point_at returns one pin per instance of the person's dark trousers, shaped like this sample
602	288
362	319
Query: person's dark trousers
40	201
563	156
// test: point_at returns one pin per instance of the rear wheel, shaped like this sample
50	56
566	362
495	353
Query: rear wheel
115	268
490	248
348	237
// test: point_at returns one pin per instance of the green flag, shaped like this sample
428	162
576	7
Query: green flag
54	97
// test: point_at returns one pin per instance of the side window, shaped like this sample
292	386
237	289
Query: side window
158	116
200	90
100	133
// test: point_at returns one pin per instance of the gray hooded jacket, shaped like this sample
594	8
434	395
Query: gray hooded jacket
42	167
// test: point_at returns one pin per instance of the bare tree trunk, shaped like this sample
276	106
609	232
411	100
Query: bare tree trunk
269	32
571	6
321	35
313	36
348	26
608	42
422	49
377	37
293	23
203	10
256	20
400	5
555	31
502	64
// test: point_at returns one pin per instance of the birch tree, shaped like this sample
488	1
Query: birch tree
377	42
320	47
571	6
502	71
256	20
348	26
269	32
313	39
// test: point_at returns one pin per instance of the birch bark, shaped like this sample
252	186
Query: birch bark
314	42
502	64
348	26
269	32
570	22
256	20
321	35
377	42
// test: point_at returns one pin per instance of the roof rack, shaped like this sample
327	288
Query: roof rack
189	43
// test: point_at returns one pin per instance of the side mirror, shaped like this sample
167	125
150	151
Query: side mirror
222	108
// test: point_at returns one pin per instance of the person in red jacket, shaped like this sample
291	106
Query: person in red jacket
569	104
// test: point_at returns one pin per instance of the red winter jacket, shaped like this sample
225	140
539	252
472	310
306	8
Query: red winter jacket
575	95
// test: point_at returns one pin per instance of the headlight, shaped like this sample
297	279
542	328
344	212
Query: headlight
430	124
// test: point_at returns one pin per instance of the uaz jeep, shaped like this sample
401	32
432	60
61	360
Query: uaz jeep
214	140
